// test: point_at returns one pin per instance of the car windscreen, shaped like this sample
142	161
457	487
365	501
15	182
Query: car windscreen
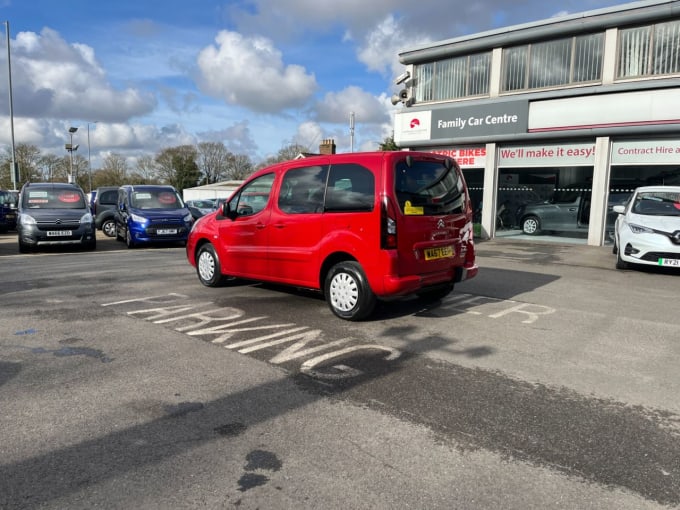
53	199
657	203
430	186
156	199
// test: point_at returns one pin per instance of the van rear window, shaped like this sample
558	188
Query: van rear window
428	188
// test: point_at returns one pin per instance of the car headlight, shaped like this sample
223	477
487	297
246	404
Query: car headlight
188	218
86	218
639	229
137	219
26	219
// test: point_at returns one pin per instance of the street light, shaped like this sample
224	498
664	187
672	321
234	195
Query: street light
70	148
89	159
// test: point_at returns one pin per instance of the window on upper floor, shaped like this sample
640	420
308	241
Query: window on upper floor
649	50
453	78
556	63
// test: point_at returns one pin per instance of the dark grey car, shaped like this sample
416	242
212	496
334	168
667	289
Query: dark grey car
104	209
569	210
52	214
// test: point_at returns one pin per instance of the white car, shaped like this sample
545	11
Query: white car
647	229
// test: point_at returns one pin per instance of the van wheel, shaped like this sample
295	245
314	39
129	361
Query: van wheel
208	267
128	239
531	225
347	291
109	228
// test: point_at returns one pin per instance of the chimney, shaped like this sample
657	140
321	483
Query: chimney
327	146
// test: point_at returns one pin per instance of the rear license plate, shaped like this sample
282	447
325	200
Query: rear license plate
669	262
58	233
438	253
166	231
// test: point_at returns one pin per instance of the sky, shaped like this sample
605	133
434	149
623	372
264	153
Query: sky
257	75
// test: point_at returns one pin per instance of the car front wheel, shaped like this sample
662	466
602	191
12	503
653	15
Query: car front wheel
347	291
208	267
620	263
531	226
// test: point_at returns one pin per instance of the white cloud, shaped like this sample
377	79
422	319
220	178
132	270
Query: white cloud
249	71
54	79
335	107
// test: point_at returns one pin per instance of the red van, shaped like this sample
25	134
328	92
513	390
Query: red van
357	227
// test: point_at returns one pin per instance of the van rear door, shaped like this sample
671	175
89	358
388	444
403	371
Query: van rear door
434	209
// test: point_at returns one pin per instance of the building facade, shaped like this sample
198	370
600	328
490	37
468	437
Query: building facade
553	122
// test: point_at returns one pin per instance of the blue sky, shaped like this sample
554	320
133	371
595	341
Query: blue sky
254	74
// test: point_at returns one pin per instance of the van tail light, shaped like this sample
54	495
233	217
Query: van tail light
388	225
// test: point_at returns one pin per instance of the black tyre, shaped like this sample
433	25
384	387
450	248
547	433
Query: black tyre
347	291
91	246
208	267
109	228
128	239
23	248
118	236
531	225
620	263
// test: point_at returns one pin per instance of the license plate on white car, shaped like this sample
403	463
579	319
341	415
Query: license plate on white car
669	262
58	233
166	231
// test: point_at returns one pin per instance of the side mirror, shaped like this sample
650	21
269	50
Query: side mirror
619	209
225	210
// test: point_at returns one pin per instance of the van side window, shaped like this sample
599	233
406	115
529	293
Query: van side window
351	187
253	197
302	190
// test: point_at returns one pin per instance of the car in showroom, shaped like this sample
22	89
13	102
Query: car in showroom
647	229
54	214
357	227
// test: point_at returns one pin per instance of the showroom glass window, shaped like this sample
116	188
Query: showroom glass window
453	78
649	50
556	63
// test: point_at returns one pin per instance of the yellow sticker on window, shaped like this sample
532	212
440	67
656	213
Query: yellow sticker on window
409	209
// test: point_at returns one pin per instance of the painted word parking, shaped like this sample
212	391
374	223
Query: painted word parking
319	357
231	328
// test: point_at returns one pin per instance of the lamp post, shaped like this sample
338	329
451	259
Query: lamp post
70	148
14	170
89	159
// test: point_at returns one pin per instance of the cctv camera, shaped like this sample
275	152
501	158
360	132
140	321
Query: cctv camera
402	78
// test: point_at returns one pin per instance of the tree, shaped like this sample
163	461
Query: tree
113	172
388	144
28	158
146	170
177	166
286	153
213	161
239	168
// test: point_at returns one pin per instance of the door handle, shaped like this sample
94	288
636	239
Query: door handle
572	209
260	226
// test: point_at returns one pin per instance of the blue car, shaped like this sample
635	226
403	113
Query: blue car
151	214
8	210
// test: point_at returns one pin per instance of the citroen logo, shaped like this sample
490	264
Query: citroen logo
58	222
440	224
675	236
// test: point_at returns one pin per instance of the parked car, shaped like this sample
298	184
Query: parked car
54	214
8	210
104	209
151	214
357	227
206	206
647	230
569	210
